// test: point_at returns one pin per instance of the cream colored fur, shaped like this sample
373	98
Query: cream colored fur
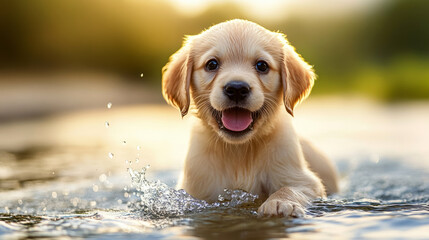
270	160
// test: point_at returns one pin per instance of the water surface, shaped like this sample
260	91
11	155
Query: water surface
58	180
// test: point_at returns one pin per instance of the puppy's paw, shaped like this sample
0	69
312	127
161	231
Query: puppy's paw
278	207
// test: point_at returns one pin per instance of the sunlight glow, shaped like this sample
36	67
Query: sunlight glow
277	9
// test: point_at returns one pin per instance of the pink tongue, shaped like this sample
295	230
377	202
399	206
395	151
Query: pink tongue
236	119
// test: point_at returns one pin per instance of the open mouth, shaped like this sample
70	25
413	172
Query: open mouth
236	121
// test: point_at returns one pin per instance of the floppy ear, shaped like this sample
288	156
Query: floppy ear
176	78
297	77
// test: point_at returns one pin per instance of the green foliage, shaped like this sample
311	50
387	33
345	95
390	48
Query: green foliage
383	53
405	78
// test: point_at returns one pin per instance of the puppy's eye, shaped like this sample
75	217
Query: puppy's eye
212	65
262	66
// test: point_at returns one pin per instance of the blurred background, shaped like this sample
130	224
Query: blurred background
62	62
83	50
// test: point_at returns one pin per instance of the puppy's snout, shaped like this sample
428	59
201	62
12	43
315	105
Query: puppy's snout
236	90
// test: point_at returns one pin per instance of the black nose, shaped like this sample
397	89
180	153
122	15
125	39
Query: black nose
236	90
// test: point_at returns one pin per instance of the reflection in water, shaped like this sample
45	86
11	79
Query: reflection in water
67	176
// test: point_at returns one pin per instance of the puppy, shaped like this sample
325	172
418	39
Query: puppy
240	78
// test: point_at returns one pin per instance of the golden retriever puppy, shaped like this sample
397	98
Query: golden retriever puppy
239	78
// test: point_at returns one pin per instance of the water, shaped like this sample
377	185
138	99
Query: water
379	197
155	199
57	191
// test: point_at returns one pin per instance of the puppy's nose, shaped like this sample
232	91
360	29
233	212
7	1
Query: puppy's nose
236	90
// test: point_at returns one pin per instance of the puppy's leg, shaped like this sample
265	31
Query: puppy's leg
287	201
321	165
290	196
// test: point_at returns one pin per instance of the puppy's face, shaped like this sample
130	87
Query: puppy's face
237	74
236	80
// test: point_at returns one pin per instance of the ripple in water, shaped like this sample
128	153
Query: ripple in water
154	199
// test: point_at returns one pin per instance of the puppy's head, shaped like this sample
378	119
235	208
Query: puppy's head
236	73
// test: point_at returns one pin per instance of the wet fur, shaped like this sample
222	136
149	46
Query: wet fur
270	160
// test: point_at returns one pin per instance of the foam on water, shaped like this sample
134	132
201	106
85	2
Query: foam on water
155	199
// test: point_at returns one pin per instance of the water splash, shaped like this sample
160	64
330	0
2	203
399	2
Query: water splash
155	199
102	178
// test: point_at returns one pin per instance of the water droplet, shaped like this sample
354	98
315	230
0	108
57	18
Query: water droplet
44	209
7	210
120	201
106	124
53	173
75	201
126	195
124	142
20	202
141	75
93	203
111	155
137	160
109	105
95	188
102	177
54	195
139	148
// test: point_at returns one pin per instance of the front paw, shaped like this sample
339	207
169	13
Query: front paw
283	208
